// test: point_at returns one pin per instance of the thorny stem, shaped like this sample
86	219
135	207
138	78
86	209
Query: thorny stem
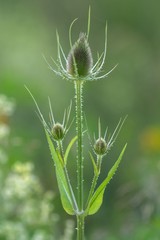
99	162
60	148
95	179
80	227
79	130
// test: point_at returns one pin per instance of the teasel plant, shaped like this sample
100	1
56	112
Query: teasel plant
79	69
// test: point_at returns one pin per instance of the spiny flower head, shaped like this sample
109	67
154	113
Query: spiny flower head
79	61
58	131
100	146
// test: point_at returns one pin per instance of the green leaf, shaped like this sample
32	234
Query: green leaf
68	149
60	157
97	199
61	179
94	164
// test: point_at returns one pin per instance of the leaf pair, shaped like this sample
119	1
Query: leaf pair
67	197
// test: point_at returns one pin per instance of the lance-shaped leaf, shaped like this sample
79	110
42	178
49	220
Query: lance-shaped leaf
94	164
68	149
61	179
97	198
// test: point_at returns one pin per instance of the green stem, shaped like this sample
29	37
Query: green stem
80	227
95	179
79	129
99	163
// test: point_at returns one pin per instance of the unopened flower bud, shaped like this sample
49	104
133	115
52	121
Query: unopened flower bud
79	61
100	146
58	132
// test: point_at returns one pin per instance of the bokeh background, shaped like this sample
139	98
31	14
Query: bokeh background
131	207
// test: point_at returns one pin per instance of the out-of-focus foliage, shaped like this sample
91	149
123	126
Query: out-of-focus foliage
131	208
27	211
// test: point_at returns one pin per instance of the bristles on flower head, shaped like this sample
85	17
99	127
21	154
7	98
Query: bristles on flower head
79	61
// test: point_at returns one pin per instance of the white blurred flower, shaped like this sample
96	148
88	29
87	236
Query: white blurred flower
6	106
23	200
20	182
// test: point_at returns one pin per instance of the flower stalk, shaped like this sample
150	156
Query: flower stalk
79	130
95	179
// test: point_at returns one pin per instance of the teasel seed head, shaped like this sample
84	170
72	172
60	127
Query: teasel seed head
79	61
100	146
58	132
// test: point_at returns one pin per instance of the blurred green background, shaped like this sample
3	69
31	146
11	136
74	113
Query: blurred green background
131	205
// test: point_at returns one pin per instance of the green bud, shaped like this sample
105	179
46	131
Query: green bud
100	146
58	132
80	60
